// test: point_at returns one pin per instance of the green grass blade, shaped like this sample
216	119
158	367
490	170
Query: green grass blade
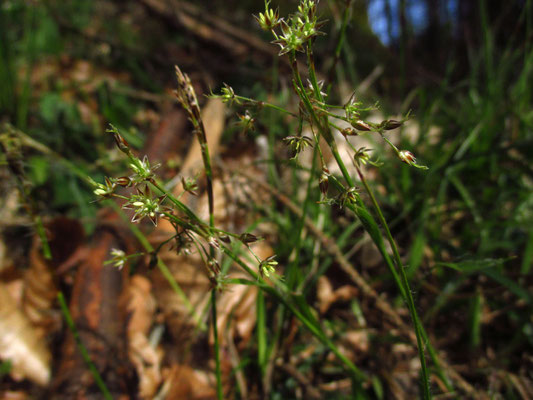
83	350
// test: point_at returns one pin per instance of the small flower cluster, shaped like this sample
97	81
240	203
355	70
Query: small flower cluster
103	190
268	20
246	121
145	205
410	159
143	172
353	111
118	258
361	156
302	26
267	267
348	196
227	95
190	229
190	185
297	144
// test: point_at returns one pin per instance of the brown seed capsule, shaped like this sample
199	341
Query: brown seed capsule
225	238
390	124
349	132
123	181
361	126
153	260
211	241
407	157
121	143
247	238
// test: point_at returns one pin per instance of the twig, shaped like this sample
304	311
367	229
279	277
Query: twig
312	392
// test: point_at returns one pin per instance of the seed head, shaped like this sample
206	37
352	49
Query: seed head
142	170
104	191
123	181
361	125
213	242
268	266
248	238
145	205
409	158
298	143
349	132
268	20
118	258
390	124
121	143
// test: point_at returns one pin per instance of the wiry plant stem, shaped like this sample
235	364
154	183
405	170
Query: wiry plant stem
189	101
402	283
340	43
408	296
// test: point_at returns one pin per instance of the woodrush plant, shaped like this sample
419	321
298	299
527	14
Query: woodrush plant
209	240
297	33
294	34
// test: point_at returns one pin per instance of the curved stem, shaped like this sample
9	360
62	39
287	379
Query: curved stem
261	103
407	291
401	281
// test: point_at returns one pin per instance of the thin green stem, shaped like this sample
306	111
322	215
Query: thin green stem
41	231
405	282
182	207
402	284
196	119
167	274
286	299
218	372
340	43
83	350
261	103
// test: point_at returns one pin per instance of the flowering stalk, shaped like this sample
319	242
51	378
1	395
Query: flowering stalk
187	97
408	296
297	35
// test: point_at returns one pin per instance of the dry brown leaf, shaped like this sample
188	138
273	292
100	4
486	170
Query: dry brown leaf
39	286
324	293
186	383
236	306
39	289
327	296
189	272
12	395
141	305
20	343
213	115
146	358
357	340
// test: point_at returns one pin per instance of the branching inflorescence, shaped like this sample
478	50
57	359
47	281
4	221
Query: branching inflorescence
294	34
